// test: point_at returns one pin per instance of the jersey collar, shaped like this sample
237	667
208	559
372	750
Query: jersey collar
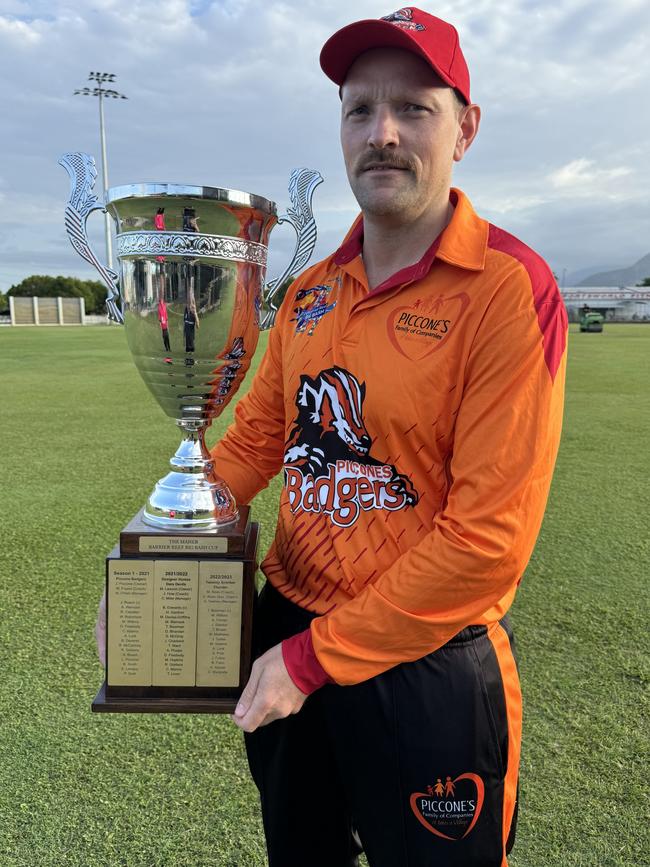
462	243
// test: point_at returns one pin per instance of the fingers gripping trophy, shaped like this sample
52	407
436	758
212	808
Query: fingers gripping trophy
191	295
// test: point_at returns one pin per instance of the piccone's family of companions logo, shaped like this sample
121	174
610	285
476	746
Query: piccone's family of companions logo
404	18
418	328
450	809
327	463
311	307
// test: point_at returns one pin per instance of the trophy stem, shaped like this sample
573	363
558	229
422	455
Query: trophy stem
191	497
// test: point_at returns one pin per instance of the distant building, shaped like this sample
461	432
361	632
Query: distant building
616	303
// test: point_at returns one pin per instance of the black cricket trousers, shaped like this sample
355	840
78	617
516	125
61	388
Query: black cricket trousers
417	766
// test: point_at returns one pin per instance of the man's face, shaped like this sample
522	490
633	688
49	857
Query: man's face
399	133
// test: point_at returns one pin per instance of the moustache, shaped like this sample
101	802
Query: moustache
384	158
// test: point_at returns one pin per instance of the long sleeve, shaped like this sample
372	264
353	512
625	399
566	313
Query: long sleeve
506	438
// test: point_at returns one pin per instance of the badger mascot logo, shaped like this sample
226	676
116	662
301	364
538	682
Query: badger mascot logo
327	463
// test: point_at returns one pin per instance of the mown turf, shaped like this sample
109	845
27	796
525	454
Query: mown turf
82	443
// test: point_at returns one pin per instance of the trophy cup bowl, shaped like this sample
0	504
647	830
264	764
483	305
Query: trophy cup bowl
191	295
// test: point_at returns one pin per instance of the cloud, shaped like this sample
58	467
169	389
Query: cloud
581	176
18	33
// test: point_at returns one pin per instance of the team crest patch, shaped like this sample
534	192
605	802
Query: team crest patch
327	463
404	18
311	307
418	329
450	808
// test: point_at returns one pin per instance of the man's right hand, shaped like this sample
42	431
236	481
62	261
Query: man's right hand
100	630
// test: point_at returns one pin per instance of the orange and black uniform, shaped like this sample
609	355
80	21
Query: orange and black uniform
417	425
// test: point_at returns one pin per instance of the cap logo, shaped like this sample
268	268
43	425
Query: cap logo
404	18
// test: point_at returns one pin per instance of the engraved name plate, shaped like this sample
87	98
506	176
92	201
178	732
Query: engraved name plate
174	622
183	545
219	623
129	630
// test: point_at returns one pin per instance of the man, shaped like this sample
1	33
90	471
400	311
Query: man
412	390
417	419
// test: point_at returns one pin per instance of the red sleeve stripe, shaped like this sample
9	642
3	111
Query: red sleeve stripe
551	312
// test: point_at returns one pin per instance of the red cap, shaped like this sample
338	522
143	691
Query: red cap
431	38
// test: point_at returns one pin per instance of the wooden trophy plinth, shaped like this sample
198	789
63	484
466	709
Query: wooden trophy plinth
179	611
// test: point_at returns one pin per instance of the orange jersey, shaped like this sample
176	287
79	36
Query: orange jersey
418	426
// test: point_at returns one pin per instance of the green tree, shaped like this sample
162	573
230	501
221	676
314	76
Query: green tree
4	303
92	291
644	282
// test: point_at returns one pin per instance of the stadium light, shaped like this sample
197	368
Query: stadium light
101	78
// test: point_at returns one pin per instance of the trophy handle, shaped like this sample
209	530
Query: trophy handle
82	202
302	184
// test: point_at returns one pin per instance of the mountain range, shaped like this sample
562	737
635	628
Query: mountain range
618	276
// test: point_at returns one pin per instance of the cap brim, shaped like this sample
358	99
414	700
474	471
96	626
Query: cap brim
342	49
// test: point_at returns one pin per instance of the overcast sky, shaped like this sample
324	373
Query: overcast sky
229	93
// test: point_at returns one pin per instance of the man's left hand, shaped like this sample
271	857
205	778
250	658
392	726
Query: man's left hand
270	693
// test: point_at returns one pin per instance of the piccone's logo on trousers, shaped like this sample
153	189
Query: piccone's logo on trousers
450	808
327	463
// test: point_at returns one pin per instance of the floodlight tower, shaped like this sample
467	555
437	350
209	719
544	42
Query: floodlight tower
102	93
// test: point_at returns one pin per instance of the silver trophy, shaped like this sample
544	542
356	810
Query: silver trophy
191	295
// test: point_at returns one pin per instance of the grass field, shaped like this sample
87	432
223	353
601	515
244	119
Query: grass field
82	444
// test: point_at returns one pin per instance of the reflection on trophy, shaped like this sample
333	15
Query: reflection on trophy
191	295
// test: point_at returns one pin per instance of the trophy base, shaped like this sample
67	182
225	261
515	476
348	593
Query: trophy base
148	704
179	612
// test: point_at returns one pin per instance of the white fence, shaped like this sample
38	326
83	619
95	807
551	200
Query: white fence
47	311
